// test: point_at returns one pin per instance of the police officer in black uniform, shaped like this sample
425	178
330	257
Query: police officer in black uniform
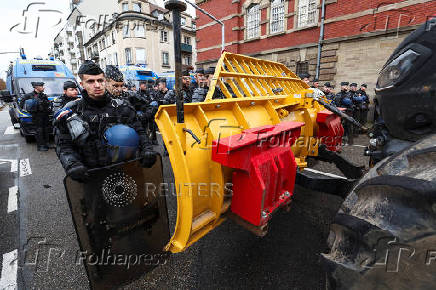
200	93
187	90
305	77
164	96
115	83
343	99
81	124
199	75
328	91
365	103
40	114
71	93
357	106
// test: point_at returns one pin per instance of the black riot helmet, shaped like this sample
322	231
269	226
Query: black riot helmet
406	87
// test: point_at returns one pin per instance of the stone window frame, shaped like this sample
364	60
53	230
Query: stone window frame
297	15
167	64
122	6
137	30
161	36
128	49
139	6
126	32
249	6
136	55
270	13
187	40
299	65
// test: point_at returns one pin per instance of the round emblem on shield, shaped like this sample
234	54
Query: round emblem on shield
119	189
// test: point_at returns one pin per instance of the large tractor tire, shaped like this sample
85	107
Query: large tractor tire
384	236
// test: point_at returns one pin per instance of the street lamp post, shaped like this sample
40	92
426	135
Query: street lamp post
177	7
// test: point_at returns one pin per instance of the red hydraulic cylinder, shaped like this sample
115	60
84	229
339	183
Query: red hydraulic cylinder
265	169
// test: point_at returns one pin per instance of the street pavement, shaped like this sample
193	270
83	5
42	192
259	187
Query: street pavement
38	248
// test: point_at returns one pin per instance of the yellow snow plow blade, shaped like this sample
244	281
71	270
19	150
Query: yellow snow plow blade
261	93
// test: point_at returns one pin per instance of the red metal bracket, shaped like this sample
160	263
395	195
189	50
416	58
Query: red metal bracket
330	130
265	169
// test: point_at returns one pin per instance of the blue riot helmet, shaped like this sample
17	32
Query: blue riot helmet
347	102
357	98
122	142
31	105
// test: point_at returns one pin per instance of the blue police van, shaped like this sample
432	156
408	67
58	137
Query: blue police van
134	74
21	73
171	79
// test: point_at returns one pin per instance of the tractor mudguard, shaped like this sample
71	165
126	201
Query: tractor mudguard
121	221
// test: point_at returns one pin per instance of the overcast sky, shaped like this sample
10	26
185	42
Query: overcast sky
18	31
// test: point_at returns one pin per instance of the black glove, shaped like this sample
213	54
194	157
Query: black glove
78	173
149	158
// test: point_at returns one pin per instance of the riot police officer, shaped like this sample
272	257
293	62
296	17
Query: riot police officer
343	99
115	82
328	91
187	90
70	94
164	96
81	126
365	103
305	77
357	104
315	84
200	93
40	110
199	75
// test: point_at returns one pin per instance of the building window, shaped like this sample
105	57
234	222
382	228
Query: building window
140	30
194	26
302	68
108	40
125	7
165	58
115	58
188	60
137	7
183	21
128	52
113	37
253	21
187	40
103	43
140	56
277	16
163	36
307	12
126	30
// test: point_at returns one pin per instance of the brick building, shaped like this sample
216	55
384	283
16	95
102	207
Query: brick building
359	35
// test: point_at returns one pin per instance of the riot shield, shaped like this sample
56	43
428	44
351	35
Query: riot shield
121	221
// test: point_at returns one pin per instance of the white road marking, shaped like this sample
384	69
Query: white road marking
325	173
11	131
8	279
13	199
361	146
14	164
25	167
